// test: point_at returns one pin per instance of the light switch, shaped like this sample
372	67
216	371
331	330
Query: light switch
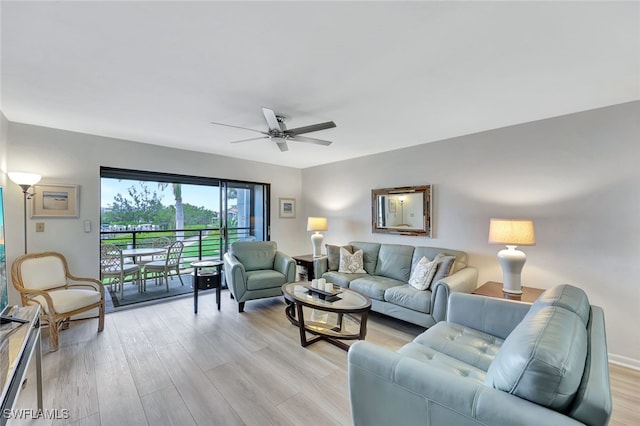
87	226
39	226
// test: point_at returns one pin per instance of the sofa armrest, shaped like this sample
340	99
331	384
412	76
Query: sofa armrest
497	317
386	388
285	265
463	281
320	266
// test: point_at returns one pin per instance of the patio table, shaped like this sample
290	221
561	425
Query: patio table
137	253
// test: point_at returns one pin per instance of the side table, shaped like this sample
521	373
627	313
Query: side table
494	289
306	261
206	281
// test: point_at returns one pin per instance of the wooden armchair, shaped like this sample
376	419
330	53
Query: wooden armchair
44	278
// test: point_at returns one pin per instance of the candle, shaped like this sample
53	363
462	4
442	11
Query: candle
328	287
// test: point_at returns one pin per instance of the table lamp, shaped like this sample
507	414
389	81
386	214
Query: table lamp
317	224
25	181
512	233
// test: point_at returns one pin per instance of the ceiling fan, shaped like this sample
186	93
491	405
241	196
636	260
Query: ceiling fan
279	133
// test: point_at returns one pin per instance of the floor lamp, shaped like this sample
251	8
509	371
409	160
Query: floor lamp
25	181
511	233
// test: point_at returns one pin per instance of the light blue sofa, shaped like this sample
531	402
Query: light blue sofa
389	267
493	362
256	269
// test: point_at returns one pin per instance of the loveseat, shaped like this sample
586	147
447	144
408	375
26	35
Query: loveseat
493	362
387	270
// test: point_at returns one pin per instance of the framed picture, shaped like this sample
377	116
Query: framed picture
287	207
55	201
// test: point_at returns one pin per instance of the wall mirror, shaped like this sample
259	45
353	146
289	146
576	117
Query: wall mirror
405	210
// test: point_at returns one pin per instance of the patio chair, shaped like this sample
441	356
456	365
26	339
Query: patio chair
114	268
160	242
162	268
44	279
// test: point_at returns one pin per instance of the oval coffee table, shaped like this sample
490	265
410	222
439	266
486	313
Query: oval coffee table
345	318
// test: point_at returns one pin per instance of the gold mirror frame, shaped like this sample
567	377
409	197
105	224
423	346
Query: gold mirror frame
403	210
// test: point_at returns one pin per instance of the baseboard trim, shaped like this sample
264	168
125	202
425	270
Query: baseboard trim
624	361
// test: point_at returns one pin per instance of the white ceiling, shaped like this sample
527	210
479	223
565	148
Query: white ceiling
390	74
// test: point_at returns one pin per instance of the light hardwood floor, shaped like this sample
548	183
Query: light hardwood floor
163	365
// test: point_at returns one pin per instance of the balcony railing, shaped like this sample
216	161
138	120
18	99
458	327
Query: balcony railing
199	244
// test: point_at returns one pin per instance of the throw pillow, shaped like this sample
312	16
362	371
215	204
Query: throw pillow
333	256
351	263
445	266
423	274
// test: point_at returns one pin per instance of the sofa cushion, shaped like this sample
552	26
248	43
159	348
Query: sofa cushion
410	298
565	296
258	280
374	286
340	278
543	358
394	261
333	256
370	251
351	263
462	343
423	274
442	361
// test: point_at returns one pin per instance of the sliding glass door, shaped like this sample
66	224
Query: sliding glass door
207	214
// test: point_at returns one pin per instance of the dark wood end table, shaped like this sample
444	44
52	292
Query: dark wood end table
494	289
306	261
206	280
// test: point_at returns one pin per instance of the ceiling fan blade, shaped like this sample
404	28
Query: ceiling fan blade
238	127
310	140
271	118
250	139
311	128
282	144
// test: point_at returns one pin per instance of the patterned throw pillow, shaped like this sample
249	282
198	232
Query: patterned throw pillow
333	256
351	263
423	274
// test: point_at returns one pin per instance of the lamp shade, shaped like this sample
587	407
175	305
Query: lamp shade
512	232
317	224
23	178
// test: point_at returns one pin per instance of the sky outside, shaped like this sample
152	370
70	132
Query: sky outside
196	195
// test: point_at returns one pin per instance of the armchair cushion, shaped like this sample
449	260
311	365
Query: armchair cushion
68	300
42	273
259	280
255	255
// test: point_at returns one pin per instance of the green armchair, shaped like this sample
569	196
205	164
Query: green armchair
256	269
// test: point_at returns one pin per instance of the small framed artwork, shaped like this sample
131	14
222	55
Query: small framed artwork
55	201
288	207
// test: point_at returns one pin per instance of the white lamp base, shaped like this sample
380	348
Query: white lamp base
316	242
511	261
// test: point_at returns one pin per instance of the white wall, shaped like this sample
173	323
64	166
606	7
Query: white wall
74	158
577	177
